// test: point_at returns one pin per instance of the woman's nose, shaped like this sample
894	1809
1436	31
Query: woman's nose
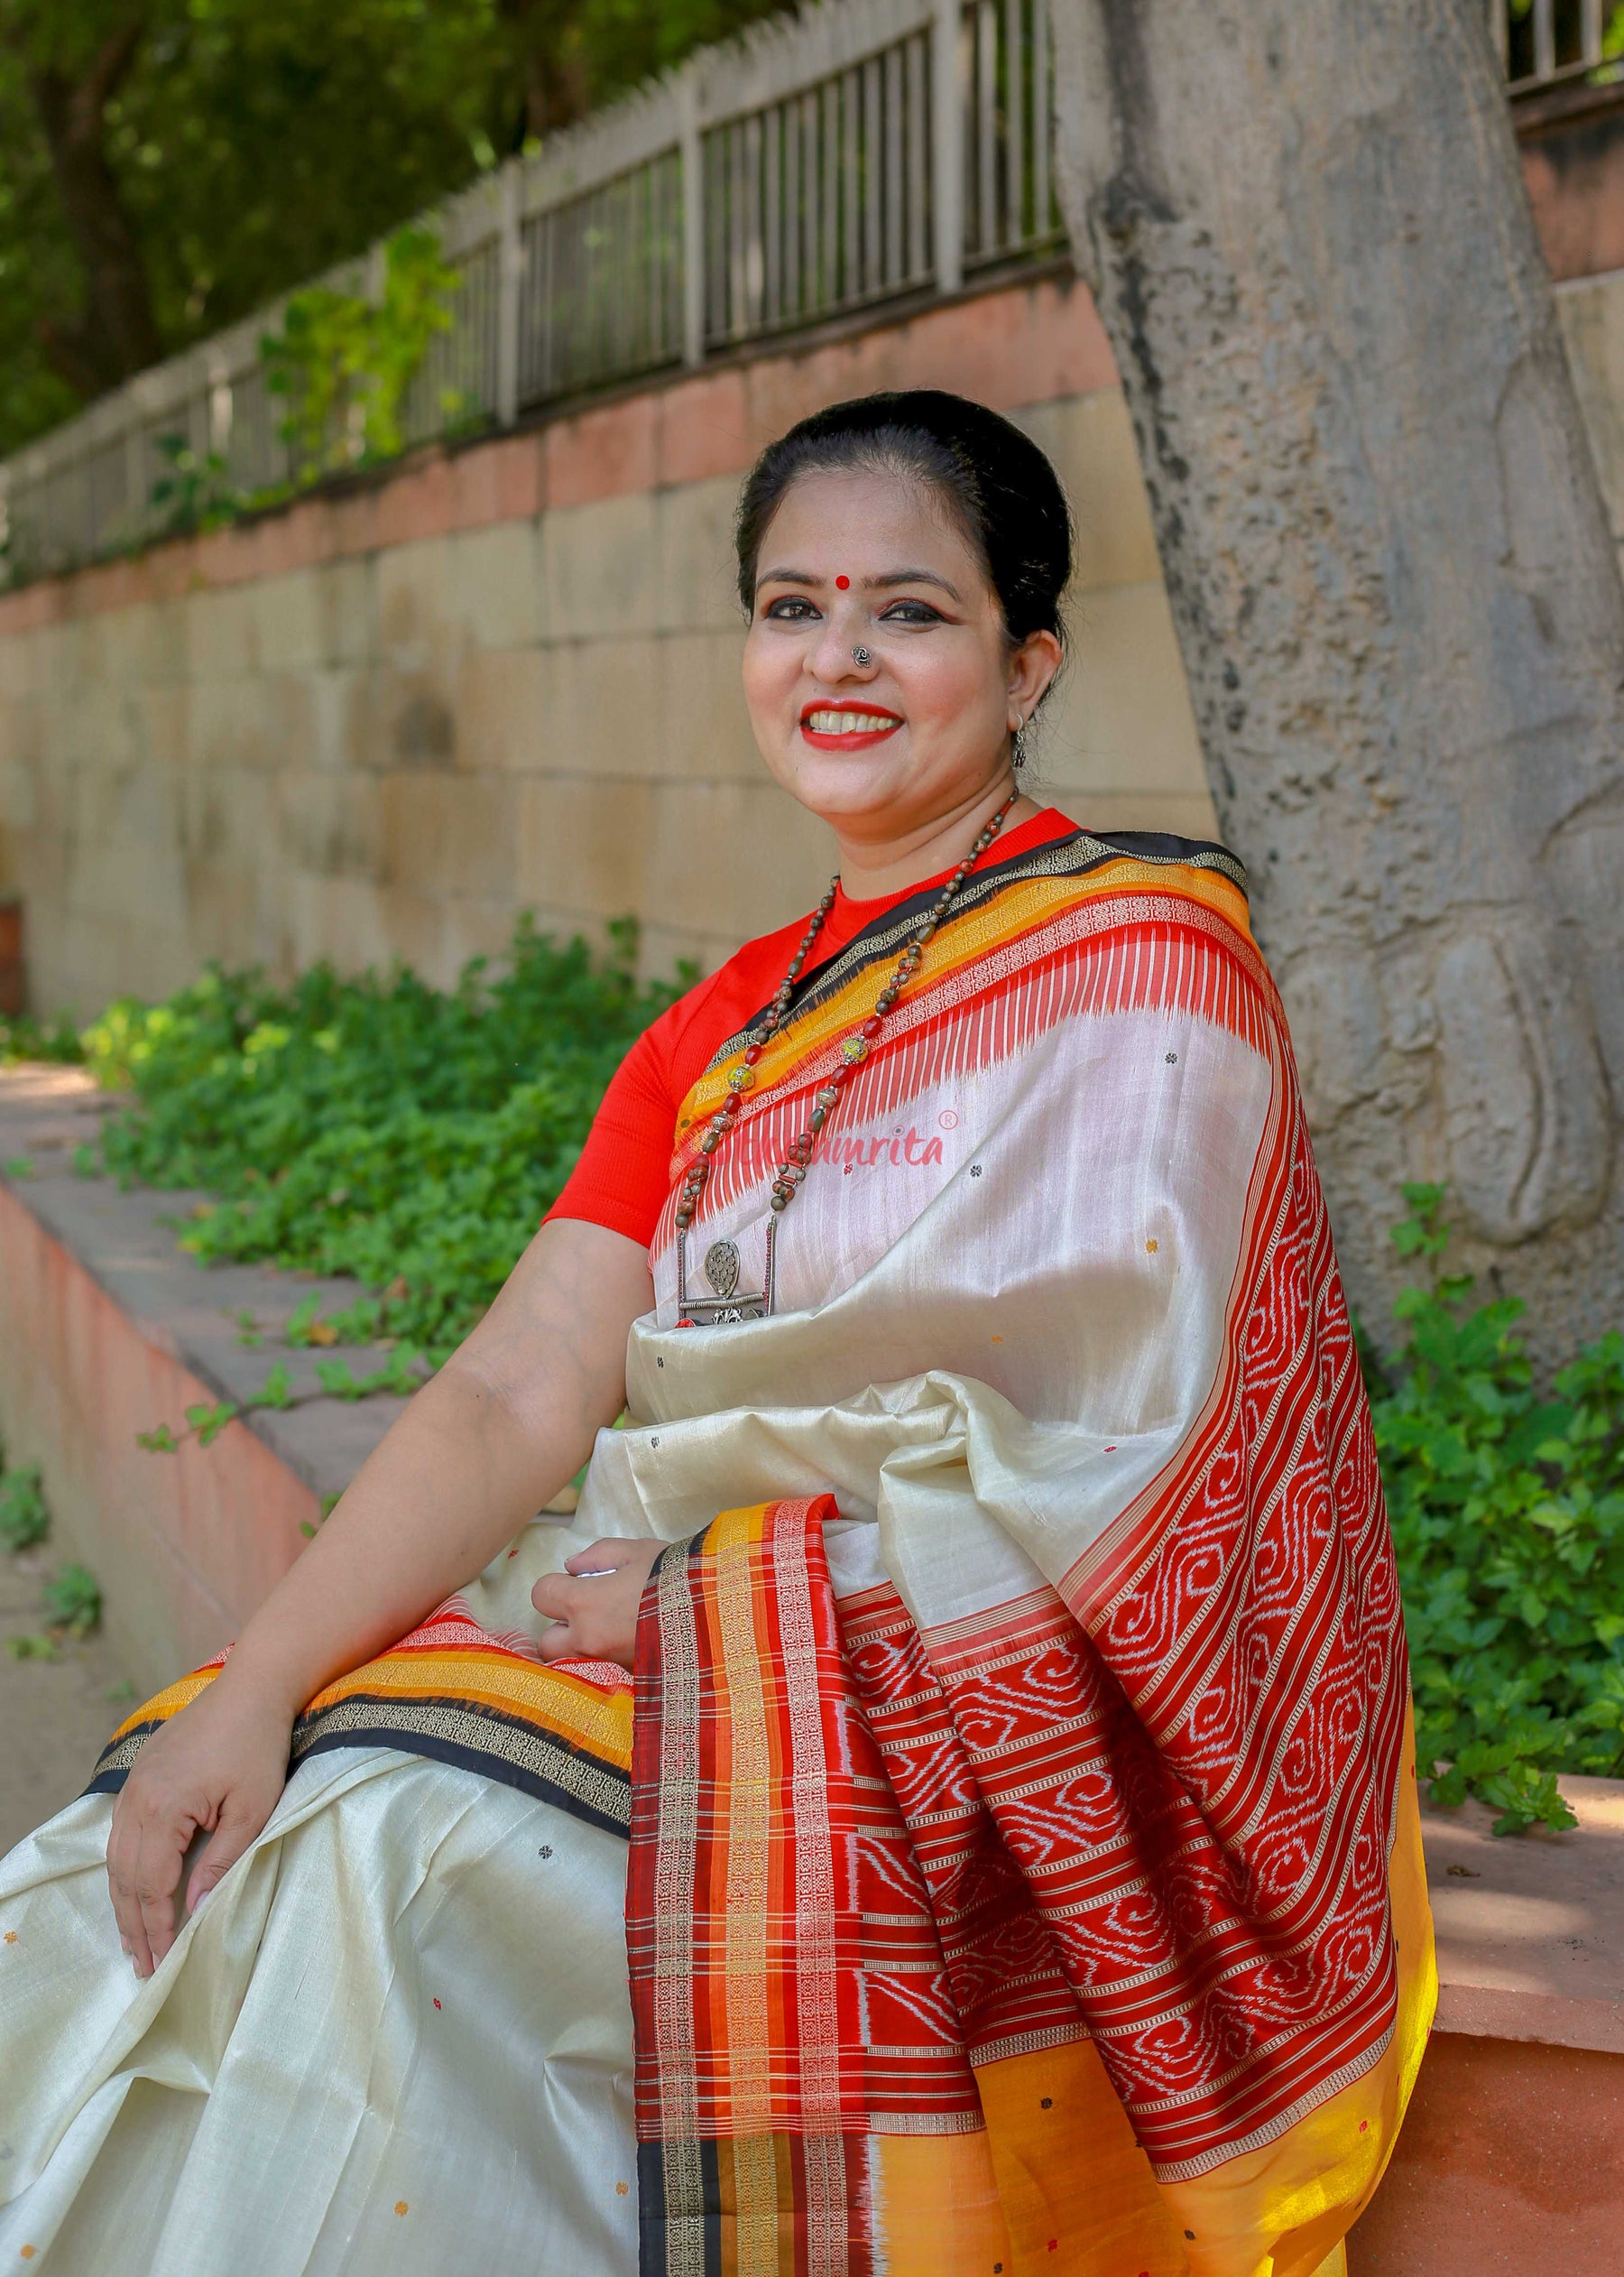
838	652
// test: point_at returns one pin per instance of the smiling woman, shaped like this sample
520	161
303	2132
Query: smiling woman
947	1803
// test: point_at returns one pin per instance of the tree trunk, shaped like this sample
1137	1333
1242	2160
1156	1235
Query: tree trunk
117	334
1396	593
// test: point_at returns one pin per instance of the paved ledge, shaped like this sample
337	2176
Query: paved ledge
126	1243
107	1328
1530	1927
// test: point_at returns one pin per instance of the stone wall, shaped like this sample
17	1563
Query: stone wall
378	725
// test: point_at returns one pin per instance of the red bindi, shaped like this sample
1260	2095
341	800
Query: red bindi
843	583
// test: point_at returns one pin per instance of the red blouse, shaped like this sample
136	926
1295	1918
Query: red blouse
624	1172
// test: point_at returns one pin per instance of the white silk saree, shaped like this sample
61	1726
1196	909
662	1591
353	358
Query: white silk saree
1024	1861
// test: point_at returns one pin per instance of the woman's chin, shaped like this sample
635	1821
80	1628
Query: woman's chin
851	786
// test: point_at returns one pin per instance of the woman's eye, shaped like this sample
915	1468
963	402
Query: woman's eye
912	613
792	609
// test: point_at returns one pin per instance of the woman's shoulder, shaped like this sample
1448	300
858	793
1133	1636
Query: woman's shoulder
1082	847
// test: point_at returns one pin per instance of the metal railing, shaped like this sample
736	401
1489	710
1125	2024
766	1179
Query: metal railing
1545	44
861	152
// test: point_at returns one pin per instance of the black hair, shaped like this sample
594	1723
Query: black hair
999	485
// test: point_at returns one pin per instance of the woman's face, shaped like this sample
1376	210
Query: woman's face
876	562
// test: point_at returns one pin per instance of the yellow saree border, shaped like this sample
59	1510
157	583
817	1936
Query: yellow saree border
451	1693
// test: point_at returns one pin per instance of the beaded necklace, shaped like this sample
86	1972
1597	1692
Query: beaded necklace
721	1258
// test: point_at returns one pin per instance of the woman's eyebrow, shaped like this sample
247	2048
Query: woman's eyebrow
912	577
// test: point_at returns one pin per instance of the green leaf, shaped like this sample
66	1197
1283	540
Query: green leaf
209	1421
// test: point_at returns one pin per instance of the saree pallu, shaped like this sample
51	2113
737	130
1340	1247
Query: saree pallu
1025	1868
1024	1864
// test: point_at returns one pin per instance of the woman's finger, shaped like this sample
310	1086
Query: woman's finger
605	1557
126	1911
553	1596
154	1875
239	1823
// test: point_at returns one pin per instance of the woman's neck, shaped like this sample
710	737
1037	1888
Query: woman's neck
873	868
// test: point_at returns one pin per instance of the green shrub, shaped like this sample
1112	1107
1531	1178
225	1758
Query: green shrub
23	1517
1508	1511
377	1126
26	1039
73	1601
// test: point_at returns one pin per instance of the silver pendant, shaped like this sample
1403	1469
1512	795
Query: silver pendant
721	1267
729	1305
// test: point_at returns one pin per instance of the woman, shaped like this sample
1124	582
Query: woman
1023	1865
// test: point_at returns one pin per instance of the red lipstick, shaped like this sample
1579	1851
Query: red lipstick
853	739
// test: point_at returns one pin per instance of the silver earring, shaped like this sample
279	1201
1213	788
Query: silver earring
862	659
1017	756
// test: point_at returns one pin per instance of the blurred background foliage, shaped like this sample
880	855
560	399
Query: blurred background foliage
167	166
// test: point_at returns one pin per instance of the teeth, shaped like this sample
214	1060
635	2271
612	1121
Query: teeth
848	722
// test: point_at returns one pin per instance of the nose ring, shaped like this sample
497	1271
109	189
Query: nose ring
862	659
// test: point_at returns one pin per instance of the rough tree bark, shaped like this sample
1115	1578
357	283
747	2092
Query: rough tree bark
1398	600
118	333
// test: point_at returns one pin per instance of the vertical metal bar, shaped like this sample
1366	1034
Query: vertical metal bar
692	162
893	179
915	114
946	148
772	207
794	208
1043	123
749	205
851	112
549	228
986	125
872	177
135	496
1590	30
1545	39
811	206
830	201
1015	87
510	268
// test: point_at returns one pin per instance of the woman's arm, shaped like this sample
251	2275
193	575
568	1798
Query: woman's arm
483	1446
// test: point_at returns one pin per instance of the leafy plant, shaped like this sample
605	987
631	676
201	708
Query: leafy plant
22	1038
23	1517
410	1137
344	361
1508	1513
73	1600
195	494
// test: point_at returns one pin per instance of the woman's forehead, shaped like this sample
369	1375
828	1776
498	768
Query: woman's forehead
874	518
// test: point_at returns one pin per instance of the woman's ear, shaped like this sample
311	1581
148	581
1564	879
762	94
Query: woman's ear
1032	668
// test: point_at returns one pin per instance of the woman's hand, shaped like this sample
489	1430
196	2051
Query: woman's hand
594	1601
217	1768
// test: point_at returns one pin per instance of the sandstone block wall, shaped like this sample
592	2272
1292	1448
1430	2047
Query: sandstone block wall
378	725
